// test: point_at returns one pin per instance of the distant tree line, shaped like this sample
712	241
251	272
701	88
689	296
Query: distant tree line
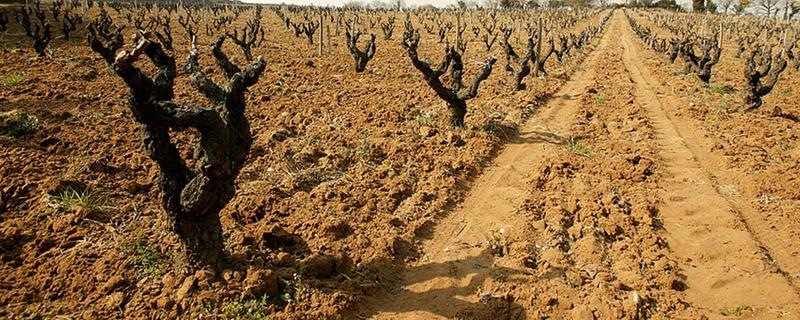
165	2
479	4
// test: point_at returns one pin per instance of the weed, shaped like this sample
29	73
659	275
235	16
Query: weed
145	257
69	199
782	313
765	199
13	79
312	139
279	86
252	309
423	118
497	242
293	289
724	106
736	311
72	63
599	99
725	89
363	148
574	145
711	118
784	146
17	123
490	127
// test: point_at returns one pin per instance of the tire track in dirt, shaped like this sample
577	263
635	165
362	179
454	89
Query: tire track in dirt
456	260
728	268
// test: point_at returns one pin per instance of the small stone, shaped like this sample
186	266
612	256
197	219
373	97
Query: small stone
454	139
49	141
426	131
582	313
261	283
572	206
112	283
164	302
281	134
319	266
283	259
636	298
204	278
185	289
115	301
539	225
275	237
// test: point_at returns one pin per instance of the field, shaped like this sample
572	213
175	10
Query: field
617	185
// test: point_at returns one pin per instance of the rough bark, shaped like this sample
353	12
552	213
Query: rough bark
457	93
192	197
523	68
252	36
3	21
760	65
361	57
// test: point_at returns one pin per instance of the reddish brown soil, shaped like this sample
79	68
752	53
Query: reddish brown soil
344	171
363	202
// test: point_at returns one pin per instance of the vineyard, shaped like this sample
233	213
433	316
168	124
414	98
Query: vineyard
231	161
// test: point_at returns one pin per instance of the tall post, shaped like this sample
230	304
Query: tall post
320	33
785	40
538	46
338	22
703	29
458	28
328	28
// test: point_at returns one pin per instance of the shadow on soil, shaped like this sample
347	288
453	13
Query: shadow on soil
439	289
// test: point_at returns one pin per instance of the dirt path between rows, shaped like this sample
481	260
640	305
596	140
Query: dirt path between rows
456	259
732	268
729	269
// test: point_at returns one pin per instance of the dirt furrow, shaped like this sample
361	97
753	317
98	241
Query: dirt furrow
456	261
728	271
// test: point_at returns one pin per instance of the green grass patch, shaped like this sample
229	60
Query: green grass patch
574	145
736	311
423	118
312	139
69	198
293	290
13	79
599	99
251	309
145	257
490	127
721	89
363	147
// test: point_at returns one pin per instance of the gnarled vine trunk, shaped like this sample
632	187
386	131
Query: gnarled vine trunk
192	198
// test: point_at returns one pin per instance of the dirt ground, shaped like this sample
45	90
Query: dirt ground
612	188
